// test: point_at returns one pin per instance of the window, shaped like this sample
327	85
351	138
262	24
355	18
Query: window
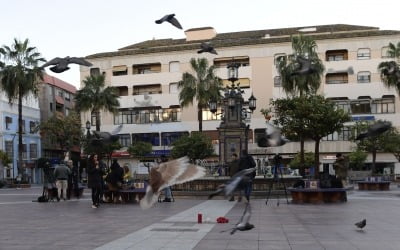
361	106
173	88
125	140
385	52
60	92
174	67
336	55
148	115
170	137
9	149
67	96
32	127
209	116
93	118
94	71
277	81
23	126
146	68
337	78
223	62
147	89
33	151
120	70
24	152
51	107
277	56
364	77
122	90
244	82
363	54
153	138
8	122
383	106
343	135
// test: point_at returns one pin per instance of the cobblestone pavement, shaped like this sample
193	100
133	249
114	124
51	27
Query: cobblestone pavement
74	224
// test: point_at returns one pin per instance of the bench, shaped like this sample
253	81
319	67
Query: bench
128	195
374	185
318	195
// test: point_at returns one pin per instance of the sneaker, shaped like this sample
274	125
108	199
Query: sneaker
167	200
94	206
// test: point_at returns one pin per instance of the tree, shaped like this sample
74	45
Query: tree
140	149
301	85
95	97
388	76
63	131
309	160
20	75
324	118
202	87
357	159
371	144
195	146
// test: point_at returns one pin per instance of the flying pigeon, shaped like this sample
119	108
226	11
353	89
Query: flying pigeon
237	181
167	174
361	224
305	66
244	224
103	138
272	138
206	47
171	19
61	64
375	130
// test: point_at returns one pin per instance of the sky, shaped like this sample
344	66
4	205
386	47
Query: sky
84	27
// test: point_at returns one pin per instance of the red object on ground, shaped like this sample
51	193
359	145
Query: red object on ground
199	218
222	220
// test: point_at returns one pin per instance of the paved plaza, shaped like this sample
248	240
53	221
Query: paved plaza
75	225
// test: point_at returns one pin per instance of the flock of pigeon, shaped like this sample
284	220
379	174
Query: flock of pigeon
180	170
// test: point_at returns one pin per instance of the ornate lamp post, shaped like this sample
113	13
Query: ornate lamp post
233	132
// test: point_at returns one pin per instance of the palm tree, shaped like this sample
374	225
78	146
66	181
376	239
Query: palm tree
301	85
389	70
94	97
202	87
20	75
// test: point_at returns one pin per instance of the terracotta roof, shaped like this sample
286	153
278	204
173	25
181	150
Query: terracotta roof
59	83
254	37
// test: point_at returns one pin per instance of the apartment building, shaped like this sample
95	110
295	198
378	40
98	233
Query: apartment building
55	97
146	75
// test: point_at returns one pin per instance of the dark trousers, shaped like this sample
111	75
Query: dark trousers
96	196
247	189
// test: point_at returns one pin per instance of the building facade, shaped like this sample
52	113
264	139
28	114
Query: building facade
146	75
56	97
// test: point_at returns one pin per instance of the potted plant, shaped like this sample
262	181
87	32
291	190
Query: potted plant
267	112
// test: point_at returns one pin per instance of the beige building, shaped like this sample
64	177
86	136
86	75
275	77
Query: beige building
147	73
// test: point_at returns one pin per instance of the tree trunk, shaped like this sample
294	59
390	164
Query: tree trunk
316	158
20	145
302	167
97	120
373	161
200	117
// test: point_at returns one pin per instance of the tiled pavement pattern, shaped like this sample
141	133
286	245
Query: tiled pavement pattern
74	225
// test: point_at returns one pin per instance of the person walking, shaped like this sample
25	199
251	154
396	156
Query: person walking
95	180
61	173
246	161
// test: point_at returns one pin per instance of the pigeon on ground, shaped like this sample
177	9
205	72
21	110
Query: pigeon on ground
375	130
237	181
171	19
361	224
61	64
272	138
206	47
167	174
104	138
305	66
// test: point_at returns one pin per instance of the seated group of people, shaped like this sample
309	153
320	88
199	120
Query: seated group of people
117	179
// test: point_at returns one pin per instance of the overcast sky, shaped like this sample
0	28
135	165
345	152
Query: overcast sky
83	27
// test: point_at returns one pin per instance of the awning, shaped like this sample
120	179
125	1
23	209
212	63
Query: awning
59	100
120	154
120	68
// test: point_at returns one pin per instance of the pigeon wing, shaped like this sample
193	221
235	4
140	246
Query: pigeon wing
149	198
80	61
164	18
53	61
192	172
117	129
171	170
175	22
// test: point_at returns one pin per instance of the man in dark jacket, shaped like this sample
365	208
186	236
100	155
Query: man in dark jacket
61	173
114	180
245	162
